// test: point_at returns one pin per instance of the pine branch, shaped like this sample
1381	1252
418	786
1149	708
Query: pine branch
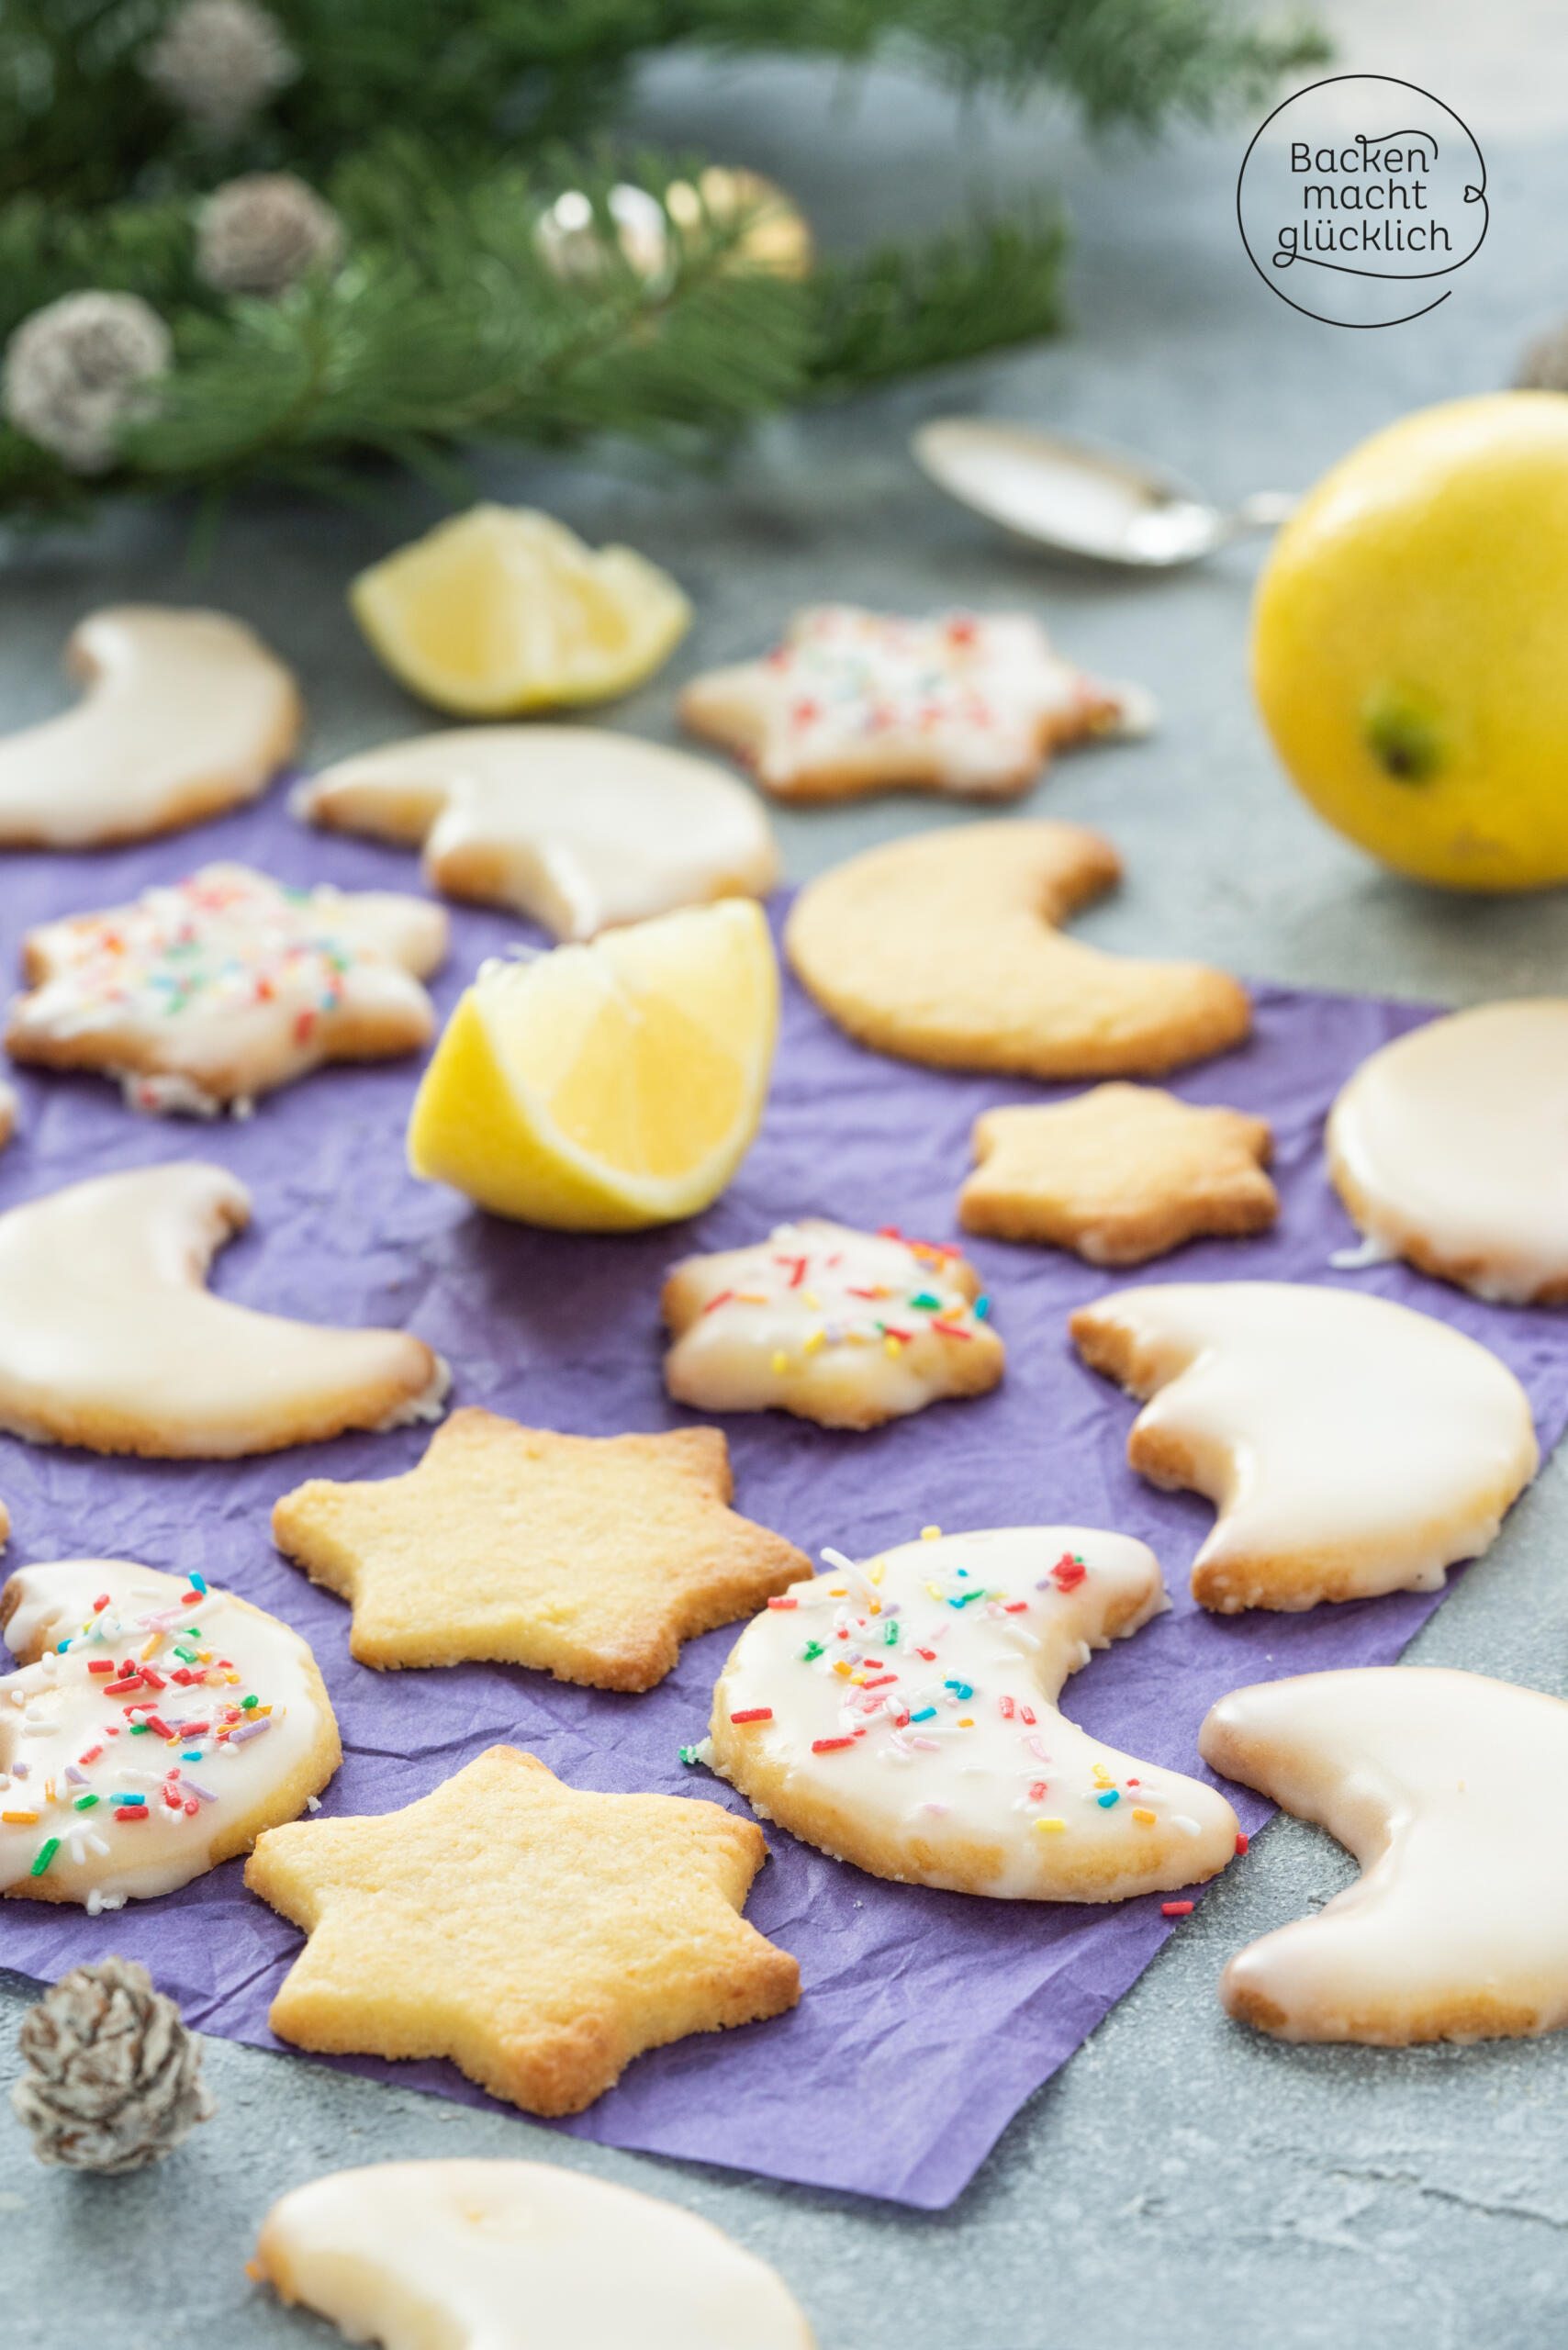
905	307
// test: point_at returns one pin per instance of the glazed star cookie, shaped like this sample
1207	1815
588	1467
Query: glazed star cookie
538	1937
945	947
506	2255
847	1328
1447	1146
855	701
1445	1787
902	1715
205	992
109	1339
185	714
574	827
1120	1175
590	1557
1350	1446
154	1727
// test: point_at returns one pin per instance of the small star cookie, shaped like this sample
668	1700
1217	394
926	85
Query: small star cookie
537	1936
1121	1174
590	1557
208	992
855	701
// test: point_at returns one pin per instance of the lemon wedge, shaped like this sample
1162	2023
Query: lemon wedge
505	609
607	1087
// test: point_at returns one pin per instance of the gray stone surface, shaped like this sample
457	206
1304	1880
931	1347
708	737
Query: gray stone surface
1182	2181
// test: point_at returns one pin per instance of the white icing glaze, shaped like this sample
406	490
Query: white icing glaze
572	825
68	1745
822	1320
184	713
926	1724
220	987
107	1336
1451	1147
513	2256
1351	1446
1447	1789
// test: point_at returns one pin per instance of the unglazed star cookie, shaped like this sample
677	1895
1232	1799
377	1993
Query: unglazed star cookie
902	1715
9	1106
206	992
538	1937
855	701
1449	1145
1351	1446
847	1328
508	2256
1446	1788
108	1337
591	1557
576	827
183	713
1119	1175
154	1728
944	948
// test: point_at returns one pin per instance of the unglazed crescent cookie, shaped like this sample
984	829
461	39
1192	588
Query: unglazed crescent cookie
572	825
847	1328
109	1339
154	1728
211	990
944	948
1450	1146
1351	1446
1447	1789
902	1715
510	2256
185	714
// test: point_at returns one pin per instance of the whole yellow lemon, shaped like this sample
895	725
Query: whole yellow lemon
1410	643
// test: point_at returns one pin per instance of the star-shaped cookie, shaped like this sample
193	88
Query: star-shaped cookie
855	701
591	1557
1120	1174
539	1937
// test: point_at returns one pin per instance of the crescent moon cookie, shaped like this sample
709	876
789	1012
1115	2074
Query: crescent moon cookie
154	1728
492	2254
185	714
855	701
1446	1788
573	826
847	1328
944	948
109	1339
1448	1146
538	1936
1351	1446
903	1715
208	992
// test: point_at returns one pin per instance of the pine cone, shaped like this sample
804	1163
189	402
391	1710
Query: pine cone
1544	367
218	61
114	2078
77	371
260	233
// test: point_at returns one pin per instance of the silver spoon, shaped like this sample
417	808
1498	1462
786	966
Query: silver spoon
1082	499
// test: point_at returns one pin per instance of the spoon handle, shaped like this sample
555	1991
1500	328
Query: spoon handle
1265	510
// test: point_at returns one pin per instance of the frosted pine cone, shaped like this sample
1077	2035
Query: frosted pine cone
114	2078
219	61
78	370
260	233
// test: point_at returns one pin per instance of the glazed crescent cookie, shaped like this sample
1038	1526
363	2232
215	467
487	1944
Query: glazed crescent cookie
1446	1788
944	948
574	826
109	1339
1351	1446
185	714
902	1715
509	2256
154	1728
208	992
1447	1146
